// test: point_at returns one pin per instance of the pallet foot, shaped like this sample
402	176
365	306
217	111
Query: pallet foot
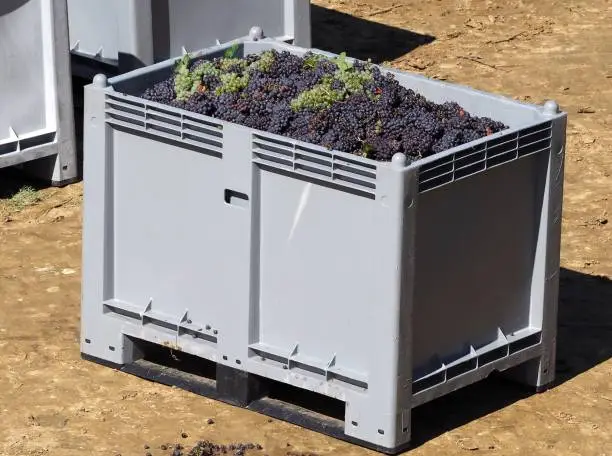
56	170
238	387
65	182
544	388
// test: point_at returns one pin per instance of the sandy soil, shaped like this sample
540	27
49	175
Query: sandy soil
53	403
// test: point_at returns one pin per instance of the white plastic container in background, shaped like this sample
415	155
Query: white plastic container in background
36	111
127	34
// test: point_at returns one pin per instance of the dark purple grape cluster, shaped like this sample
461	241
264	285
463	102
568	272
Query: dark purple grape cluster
363	111
162	92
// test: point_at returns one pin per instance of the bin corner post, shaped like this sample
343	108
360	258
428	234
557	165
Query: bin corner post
63	167
384	414
59	169
101	336
546	371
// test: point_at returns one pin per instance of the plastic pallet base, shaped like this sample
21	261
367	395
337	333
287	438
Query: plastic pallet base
248	391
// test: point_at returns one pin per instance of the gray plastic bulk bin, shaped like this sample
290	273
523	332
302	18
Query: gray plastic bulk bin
128	34
36	117
382	285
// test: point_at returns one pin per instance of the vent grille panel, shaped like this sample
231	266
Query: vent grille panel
137	117
487	155
346	174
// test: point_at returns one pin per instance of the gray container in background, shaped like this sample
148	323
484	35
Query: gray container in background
133	33
382	285
36	118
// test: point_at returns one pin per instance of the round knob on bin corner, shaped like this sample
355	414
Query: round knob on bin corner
399	160
551	107
100	80
256	33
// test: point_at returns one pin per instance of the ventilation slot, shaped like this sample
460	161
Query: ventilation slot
164	116
470	162
274	154
499	152
126	100
152	124
326	167
355	168
133	110
124	118
483	156
313	163
437	173
533	142
149	120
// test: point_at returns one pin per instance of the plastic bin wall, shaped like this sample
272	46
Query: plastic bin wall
384	285
133	33
36	118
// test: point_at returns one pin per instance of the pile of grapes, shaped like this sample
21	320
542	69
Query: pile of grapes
345	106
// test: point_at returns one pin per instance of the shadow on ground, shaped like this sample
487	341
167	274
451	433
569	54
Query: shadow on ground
585	323
13	180
584	341
337	32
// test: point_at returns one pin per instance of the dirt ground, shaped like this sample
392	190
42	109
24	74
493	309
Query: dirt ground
53	403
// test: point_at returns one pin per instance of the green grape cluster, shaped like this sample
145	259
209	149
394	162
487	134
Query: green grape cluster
311	59
232	83
378	127
232	64
323	95
233	72
354	81
342	62
232	51
186	82
183	80
366	150
265	62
